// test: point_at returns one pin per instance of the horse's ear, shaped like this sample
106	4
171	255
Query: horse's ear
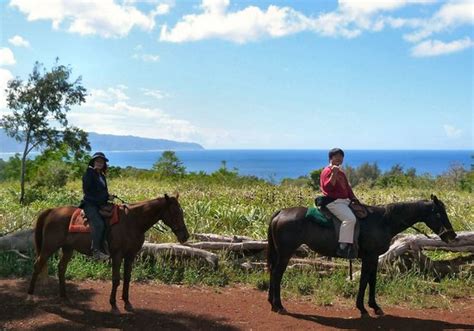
434	198
167	197
177	195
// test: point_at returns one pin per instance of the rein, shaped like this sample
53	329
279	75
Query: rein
419	231
121	200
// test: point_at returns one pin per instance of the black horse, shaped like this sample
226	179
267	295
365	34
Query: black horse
289	229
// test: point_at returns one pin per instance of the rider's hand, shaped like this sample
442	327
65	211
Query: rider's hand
335	169
111	196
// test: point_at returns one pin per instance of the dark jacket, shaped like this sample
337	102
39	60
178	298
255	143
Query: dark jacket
95	191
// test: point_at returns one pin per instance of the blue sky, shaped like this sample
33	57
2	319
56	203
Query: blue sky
386	74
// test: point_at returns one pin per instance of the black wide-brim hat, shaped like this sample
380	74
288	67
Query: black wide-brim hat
99	155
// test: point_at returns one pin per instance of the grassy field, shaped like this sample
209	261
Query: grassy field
242	208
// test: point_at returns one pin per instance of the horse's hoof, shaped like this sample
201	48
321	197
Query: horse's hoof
279	310
379	312
114	310
364	314
128	307
282	311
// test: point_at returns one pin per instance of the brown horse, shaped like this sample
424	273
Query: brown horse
125	239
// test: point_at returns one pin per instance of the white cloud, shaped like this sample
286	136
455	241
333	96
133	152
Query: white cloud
157	94
364	7
6	57
146	57
104	18
162	9
19	41
349	20
437	47
5	76
450	15
105	112
110	94
248	24
451	131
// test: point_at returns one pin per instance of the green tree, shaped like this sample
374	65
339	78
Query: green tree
39	107
314	178
169	165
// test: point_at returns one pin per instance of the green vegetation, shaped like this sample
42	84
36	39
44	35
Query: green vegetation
225	203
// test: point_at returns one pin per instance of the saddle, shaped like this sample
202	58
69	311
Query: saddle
360	210
325	218
79	222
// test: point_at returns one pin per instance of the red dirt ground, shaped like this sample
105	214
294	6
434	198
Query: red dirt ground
195	308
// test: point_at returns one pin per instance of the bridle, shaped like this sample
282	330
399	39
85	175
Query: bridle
443	231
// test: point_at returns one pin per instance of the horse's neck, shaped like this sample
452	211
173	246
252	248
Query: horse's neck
147	213
403	215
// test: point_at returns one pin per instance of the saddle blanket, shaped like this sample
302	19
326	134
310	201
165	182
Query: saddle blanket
79	223
317	216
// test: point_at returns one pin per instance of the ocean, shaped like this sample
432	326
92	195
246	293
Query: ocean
278	164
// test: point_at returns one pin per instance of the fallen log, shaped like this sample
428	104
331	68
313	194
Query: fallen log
23	241
250	245
177	250
319	263
20	241
439	269
405	253
463	243
254	245
220	238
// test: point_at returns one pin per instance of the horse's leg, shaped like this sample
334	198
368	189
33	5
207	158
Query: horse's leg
40	263
367	266
62	266
271	288
277	275
116	262
127	274
372	282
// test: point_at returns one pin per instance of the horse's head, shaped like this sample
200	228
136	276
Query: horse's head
173	217
438	220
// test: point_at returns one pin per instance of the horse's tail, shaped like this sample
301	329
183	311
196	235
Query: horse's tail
271	249
39	231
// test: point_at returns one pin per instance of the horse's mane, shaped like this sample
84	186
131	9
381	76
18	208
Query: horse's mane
405	207
141	203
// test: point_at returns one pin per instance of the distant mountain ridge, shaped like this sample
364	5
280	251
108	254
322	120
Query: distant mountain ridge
109	142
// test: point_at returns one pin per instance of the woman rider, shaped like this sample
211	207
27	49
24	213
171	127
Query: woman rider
96	194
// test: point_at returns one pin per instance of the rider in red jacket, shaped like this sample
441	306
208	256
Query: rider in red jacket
334	185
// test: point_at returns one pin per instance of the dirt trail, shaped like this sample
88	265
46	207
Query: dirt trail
187	308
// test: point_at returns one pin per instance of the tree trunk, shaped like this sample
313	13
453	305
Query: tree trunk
23	168
177	250
256	245
220	238
415	242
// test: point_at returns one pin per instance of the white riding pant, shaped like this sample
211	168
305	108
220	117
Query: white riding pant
340	209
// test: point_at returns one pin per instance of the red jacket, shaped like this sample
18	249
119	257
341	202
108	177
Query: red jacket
341	189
